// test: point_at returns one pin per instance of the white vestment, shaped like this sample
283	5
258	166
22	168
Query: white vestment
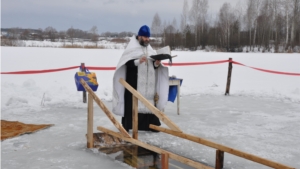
135	51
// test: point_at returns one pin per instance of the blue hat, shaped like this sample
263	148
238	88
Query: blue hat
144	31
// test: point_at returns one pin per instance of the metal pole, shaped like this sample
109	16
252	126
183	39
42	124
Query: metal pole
82	68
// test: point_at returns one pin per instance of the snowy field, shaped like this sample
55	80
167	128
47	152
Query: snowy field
102	43
261	116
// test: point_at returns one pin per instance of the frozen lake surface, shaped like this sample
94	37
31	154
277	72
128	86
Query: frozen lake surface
261	116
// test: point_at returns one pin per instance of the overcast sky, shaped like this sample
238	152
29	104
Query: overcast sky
107	15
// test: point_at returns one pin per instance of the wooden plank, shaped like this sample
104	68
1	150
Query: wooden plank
134	157
152	108
90	109
105	109
222	148
155	149
134	117
165	161
219	159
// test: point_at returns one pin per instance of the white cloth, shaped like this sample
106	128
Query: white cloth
135	51
146	84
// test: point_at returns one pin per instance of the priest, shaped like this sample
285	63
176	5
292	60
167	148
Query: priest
149	77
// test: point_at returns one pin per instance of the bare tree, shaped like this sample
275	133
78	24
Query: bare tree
51	33
250	17
203	13
184	16
296	11
287	10
94	32
268	23
174	25
164	26
25	34
276	9
194	16
156	25
184	21
256	11
238	14
62	36
71	34
226	19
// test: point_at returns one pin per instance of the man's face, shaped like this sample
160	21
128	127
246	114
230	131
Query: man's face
144	41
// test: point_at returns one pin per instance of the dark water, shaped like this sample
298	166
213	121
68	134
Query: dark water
139	157
130	154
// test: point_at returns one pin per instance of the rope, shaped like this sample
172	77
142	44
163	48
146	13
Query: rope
166	64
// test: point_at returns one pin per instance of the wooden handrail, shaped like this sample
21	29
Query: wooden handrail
175	131
222	148
135	119
124	135
155	149
152	108
105	109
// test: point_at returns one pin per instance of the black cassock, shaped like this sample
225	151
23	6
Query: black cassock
143	119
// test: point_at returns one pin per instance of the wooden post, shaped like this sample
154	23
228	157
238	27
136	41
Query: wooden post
82	68
228	77
90	141
221	147
165	161
134	157
153	109
105	109
155	149
134	117
219	159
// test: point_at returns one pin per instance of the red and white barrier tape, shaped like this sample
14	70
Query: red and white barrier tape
166	64
268	71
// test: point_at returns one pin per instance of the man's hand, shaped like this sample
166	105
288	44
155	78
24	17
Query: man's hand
143	59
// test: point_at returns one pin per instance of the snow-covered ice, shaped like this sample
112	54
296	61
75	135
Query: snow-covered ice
261	116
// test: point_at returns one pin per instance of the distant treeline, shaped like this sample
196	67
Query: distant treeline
263	24
52	34
10	36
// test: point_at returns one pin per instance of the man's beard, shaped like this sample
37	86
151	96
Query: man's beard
143	43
